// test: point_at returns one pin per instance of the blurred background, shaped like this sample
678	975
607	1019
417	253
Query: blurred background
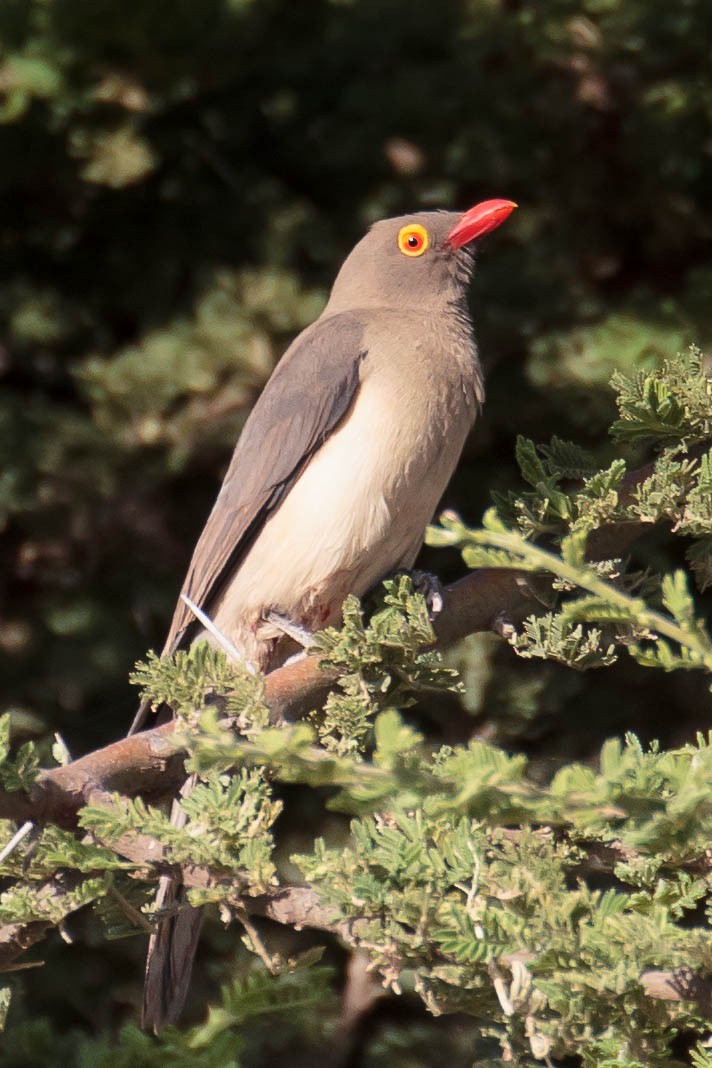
179	183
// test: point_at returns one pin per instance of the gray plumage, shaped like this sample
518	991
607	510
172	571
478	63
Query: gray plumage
309	393
347	451
338	470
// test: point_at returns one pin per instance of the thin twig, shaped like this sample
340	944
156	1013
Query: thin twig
132	914
271	963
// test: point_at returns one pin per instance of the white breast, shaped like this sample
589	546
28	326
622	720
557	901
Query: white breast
360	507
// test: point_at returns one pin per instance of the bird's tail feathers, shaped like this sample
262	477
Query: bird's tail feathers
172	946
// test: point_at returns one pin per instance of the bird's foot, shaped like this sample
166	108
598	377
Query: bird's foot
429	586
293	630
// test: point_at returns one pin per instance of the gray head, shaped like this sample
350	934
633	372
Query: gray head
415	260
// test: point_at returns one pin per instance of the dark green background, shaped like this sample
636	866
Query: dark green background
179	182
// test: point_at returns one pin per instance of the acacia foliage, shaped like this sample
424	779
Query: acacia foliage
562	917
178	183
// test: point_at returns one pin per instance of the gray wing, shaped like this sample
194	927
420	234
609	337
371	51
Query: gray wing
308	394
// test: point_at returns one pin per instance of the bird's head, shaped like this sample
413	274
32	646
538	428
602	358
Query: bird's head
415	260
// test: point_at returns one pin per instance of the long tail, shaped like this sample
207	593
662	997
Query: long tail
172	946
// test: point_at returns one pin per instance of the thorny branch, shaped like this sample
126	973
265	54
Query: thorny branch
151	764
299	907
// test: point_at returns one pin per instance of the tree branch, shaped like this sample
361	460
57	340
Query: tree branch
150	763
299	907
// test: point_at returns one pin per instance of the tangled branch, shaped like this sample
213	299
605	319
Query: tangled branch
151	765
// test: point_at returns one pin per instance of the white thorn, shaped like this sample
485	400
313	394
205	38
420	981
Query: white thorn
298	634
223	641
15	840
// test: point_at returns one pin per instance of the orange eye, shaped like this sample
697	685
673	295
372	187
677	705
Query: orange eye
413	239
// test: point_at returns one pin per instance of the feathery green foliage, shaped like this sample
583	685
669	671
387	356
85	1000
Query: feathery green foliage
179	183
383	663
464	878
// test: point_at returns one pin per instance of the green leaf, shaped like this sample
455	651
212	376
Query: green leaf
530	465
677	599
573	548
5	998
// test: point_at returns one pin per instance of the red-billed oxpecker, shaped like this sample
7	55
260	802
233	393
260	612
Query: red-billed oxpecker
338	470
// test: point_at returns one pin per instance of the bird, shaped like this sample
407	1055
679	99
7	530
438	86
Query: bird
338	470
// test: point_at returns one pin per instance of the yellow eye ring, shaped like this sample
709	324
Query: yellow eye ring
413	239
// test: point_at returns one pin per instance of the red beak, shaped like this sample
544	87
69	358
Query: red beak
478	221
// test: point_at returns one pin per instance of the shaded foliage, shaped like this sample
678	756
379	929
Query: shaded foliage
178	183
